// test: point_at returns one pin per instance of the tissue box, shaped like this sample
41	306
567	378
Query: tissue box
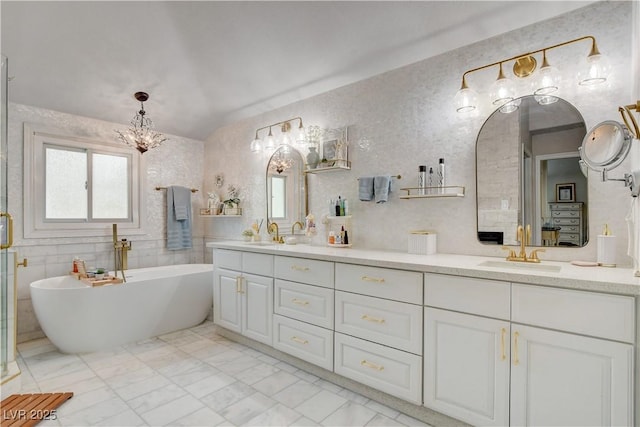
422	242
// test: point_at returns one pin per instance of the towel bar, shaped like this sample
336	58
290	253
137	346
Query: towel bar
392	176
193	190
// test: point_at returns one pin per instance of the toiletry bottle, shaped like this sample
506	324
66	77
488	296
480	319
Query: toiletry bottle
337	212
430	184
332	207
441	177
346	207
76	260
341	207
345	239
338	239
422	179
332	238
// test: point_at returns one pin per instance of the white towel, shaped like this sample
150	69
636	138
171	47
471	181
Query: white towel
381	188
365	188
178	230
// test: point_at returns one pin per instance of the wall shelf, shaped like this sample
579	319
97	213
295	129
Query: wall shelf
221	216
337	165
432	192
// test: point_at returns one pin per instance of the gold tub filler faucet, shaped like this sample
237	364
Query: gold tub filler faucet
523	236
120	250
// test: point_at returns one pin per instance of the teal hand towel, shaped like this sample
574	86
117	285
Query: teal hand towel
178	230
382	188
365	188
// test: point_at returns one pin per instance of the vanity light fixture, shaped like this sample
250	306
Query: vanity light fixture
595	71
141	135
287	136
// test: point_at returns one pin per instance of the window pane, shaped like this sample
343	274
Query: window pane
110	177
278	197
66	179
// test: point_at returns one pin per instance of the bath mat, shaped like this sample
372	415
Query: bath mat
29	409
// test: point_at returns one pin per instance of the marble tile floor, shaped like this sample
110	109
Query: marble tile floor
192	377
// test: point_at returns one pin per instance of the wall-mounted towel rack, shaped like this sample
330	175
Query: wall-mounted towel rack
392	176
193	190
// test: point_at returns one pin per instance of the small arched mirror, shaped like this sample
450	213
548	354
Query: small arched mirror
286	188
528	173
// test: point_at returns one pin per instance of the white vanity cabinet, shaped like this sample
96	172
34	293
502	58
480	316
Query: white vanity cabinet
243	293
467	351
378	325
565	378
532	364
304	309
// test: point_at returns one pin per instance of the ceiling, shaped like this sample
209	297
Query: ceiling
210	63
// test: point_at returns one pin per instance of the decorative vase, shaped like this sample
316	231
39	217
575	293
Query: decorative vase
313	158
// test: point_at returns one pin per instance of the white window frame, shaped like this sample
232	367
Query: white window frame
35	225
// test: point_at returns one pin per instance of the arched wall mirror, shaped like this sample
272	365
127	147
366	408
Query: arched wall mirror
528	173
286	188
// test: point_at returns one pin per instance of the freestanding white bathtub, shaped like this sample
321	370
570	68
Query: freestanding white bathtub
79	318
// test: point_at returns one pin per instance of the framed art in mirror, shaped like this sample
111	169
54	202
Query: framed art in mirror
566	192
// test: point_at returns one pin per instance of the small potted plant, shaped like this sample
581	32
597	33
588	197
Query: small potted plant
100	273
247	234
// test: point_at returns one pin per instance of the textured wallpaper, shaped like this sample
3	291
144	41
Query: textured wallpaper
406	117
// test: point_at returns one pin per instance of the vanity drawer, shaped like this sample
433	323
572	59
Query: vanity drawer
484	297
386	369
227	259
307	342
566	221
386	283
261	264
391	323
588	313
312	304
566	214
565	206
570	229
569	238
310	271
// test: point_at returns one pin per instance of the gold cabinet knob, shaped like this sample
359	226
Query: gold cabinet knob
23	263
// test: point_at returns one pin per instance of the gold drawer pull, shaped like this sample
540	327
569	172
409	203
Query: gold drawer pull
372	279
503	352
516	359
371	365
299	340
239	285
299	301
372	319
298	268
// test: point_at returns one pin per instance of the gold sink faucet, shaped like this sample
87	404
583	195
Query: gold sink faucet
273	228
293	227
523	236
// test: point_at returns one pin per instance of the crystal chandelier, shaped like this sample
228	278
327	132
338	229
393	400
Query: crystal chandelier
141	135
281	160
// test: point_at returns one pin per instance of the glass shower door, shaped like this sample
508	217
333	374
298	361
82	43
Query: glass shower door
6	224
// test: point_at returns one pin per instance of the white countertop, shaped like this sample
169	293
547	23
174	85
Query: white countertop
601	279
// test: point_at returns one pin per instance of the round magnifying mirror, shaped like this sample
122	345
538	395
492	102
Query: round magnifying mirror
605	146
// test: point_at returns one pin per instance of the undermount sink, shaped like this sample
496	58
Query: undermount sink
521	266
261	243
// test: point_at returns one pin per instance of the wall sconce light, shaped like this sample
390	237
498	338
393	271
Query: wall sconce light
595	71
287	136
141	135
